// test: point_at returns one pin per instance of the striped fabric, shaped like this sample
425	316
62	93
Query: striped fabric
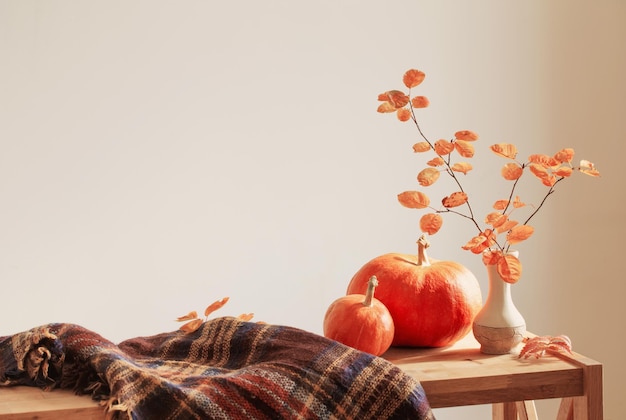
227	369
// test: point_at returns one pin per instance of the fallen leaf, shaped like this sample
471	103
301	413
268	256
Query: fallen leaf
215	306
190	315
538	346
245	317
191	326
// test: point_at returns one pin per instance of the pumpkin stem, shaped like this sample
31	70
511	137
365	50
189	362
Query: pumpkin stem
422	244
369	295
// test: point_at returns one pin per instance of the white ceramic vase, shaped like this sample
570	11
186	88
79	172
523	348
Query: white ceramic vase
499	327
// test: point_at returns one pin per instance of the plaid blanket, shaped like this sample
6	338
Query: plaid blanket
227	369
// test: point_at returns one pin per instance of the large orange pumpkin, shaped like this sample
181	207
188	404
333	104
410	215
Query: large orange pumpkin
361	322
432	303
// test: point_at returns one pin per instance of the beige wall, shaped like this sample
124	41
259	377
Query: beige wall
156	156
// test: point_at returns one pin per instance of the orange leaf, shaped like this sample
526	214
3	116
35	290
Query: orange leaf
476	241
464	148
386	107
506	226
549	182
564	155
481	242
191	326
455	199
414	199
428	176
519	233
564	171
512	171
496	219
490	239
466	135
420	147
517	203
403	114
543	160
588	168
215	306
500	204
413	78
462	167
438	161
420	102
190	315
443	147
505	150
590	172
431	223
543	174
245	317
510	268
491	257
397	98
539	171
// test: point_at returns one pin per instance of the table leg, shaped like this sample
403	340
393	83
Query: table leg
504	411
526	410
589	406
566	409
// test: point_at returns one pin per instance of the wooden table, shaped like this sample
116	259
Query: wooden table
453	376
460	375
24	402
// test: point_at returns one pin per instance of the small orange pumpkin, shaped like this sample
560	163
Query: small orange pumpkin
361	322
432	303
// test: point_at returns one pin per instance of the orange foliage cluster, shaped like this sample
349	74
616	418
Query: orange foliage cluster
194	322
550	170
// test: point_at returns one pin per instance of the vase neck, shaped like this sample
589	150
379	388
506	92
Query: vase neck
497	285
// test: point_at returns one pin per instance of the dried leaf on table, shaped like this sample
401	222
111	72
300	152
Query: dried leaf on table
538	346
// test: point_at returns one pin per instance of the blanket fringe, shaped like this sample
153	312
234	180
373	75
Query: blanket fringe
116	410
